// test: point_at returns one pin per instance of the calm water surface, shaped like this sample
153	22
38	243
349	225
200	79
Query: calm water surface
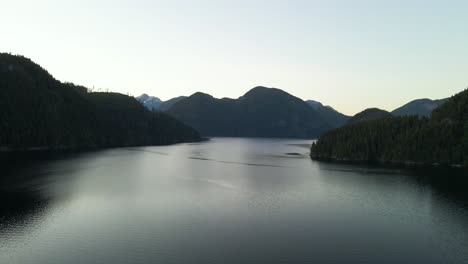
227	201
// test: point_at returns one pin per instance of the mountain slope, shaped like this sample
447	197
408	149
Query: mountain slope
261	112
169	103
420	107
327	113
442	139
37	111
368	115
154	103
333	117
150	102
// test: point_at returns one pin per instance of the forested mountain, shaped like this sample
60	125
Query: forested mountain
37	111
442	139
420	107
333	117
368	115
261	112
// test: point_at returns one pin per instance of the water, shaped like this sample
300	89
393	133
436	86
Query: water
227	201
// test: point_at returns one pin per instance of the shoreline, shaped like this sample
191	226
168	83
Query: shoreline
387	163
4	150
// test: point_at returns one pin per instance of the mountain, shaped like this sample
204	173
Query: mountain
169	103
39	112
333	117
420	107
261	112
154	103
314	104
150	102
369	114
441	139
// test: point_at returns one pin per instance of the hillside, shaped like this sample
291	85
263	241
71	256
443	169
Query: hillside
442	139
165	105
327	113
332	117
261	112
37	111
154	103
420	107
150	102
368	115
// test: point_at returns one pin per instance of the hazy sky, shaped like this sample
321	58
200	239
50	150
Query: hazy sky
348	54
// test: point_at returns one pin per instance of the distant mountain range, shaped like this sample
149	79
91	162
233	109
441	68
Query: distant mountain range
420	107
211	116
261	112
67	116
200	110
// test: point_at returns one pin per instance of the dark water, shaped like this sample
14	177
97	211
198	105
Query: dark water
227	201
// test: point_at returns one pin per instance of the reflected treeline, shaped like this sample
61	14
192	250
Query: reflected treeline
19	210
14	161
21	205
452	183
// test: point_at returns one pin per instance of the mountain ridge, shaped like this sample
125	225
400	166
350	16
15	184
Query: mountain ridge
260	112
333	117
328	113
419	107
369	114
150	102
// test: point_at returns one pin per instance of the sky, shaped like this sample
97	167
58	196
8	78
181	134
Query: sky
351	54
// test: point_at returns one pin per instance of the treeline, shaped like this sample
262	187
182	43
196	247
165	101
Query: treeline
37	111
441	139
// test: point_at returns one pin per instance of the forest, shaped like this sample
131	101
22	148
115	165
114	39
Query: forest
441	139
39	112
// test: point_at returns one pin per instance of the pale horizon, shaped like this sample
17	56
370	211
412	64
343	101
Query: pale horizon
350	56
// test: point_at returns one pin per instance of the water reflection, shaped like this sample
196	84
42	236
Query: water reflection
227	201
20	211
